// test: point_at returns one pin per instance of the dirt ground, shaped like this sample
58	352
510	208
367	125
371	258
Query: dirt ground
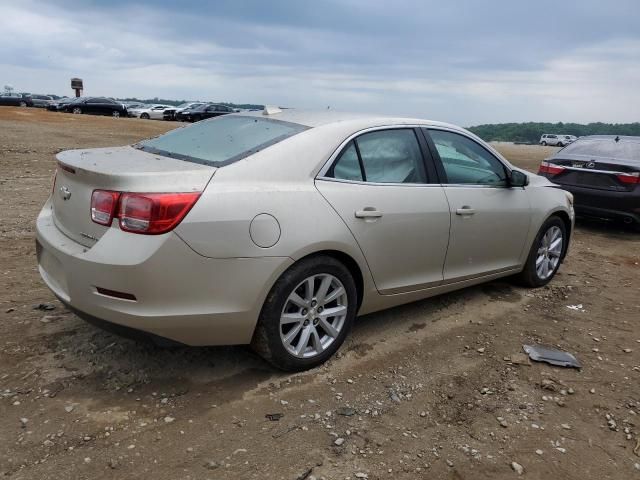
427	390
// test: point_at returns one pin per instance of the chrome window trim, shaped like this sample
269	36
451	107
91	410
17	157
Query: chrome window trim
332	158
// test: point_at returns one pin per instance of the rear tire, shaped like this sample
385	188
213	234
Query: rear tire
560	144
144	116
295	330
76	110
545	255
115	114
544	144
23	104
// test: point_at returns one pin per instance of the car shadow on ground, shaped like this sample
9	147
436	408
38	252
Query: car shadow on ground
603	227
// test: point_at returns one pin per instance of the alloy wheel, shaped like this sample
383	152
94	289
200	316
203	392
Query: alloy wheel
115	113
549	252
313	315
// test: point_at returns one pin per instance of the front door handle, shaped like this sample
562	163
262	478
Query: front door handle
465	211
368	212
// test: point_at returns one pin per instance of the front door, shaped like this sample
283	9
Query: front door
380	188
489	220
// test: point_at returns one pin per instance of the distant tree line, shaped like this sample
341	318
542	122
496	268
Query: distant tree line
531	132
164	101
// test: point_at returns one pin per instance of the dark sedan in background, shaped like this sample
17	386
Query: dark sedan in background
16	99
603	174
208	110
97	106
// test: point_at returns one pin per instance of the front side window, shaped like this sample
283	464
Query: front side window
383	156
222	140
466	162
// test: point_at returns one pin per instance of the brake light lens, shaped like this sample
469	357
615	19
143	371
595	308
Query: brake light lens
629	178
103	206
146	213
550	168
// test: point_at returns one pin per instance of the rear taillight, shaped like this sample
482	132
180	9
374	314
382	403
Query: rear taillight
147	213
103	206
629	178
550	168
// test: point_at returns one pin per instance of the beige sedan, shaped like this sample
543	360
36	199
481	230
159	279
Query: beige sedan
278	228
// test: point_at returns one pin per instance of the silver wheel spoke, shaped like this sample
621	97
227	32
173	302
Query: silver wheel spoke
299	301
334	311
556	244
309	289
322	291
291	318
292	333
327	327
333	295
317	344
303	341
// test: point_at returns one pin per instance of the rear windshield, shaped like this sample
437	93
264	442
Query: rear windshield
605	147
222	140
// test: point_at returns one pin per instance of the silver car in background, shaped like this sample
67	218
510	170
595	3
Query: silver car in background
276	229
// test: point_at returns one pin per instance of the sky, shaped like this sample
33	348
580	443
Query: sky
462	61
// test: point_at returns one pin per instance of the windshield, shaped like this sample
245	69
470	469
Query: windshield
221	140
625	148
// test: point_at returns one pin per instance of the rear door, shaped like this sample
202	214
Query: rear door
489	220
389	198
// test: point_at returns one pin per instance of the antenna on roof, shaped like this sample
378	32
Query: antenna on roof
271	110
617	139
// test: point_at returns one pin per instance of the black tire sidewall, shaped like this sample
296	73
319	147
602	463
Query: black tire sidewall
267	340
529	274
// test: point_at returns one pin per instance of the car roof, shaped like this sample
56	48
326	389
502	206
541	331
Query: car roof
628	138
319	118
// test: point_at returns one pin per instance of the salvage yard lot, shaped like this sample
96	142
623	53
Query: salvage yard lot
429	387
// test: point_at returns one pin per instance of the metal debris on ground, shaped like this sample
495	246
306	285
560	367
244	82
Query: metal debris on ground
274	417
552	356
44	306
346	411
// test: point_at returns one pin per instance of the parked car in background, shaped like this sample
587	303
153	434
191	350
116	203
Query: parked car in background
135	106
171	113
603	174
206	110
557	140
42	101
153	112
276	229
60	104
16	99
96	106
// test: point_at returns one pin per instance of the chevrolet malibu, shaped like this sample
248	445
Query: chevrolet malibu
277	229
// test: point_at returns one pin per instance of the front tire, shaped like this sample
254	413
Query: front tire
544	144
76	110
307	314
144	116
115	114
23	104
546	254
560	144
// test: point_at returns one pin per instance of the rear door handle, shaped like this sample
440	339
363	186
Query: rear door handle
368	212
465	211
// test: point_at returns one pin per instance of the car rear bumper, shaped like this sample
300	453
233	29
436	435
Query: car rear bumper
179	294
605	203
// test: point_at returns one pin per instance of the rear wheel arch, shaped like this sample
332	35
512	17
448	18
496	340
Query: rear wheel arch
348	261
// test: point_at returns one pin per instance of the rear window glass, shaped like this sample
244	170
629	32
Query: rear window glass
222	140
605	147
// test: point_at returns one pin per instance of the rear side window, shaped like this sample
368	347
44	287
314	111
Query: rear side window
383	156
222	140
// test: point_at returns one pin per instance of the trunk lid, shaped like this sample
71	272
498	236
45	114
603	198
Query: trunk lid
123	169
594	172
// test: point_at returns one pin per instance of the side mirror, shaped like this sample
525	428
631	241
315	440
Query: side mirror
518	179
